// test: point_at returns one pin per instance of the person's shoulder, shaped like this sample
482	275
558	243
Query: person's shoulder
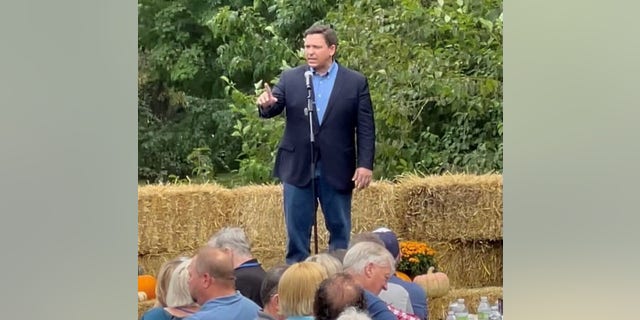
264	316
155	313
248	302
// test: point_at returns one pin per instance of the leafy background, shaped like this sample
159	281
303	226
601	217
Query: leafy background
434	70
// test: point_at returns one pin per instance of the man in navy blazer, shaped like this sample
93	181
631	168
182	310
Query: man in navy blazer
344	144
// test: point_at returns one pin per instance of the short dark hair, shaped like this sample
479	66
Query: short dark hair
337	293
269	285
330	36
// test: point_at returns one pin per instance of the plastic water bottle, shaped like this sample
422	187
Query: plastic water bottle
453	306
495	313
461	313
484	309
450	316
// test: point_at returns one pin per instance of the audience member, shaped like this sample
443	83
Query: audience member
393	294
269	294
329	262
338	254
212	286
335	294
371	265
297	289
417	295
353	314
248	271
162	283
180	304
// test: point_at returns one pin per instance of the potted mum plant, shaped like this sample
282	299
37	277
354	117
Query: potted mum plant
417	264
415	258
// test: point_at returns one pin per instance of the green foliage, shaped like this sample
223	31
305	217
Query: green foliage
196	142
434	70
259	136
435	76
250	49
294	17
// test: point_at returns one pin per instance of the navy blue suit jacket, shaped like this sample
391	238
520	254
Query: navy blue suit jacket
345	139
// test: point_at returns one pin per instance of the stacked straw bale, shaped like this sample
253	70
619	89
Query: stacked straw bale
438	307
451	207
173	219
259	211
472	264
374	207
460	216
151	263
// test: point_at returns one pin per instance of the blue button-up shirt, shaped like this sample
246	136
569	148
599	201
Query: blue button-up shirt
322	87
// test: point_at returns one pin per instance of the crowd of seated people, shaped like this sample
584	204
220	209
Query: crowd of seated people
224	281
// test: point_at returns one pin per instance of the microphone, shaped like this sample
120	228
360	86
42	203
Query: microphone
307	77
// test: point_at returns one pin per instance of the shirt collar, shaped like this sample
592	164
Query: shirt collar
331	69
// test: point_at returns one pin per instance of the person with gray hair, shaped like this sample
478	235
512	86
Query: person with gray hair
248	271
329	262
394	293
371	266
417	295
352	313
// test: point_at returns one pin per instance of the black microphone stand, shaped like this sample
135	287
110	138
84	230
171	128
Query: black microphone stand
309	113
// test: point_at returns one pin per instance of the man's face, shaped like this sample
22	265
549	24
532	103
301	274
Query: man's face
194	281
378	276
317	53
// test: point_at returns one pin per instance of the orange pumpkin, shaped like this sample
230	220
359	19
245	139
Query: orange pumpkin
434	284
403	276
147	284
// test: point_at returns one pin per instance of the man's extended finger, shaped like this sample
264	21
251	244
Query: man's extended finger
267	89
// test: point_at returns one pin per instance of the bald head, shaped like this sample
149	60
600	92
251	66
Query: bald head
217	263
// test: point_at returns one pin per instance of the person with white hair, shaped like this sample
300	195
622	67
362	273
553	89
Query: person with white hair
371	266
352	313
180	304
417	295
394	294
329	262
248	271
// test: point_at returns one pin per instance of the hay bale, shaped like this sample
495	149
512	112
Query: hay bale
151	263
438	307
450	207
374	207
143	306
176	218
470	264
259	210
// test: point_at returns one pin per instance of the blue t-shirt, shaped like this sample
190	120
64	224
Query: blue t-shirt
416	294
233	307
377	308
156	313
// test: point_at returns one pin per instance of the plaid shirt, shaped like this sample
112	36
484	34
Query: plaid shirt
401	315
